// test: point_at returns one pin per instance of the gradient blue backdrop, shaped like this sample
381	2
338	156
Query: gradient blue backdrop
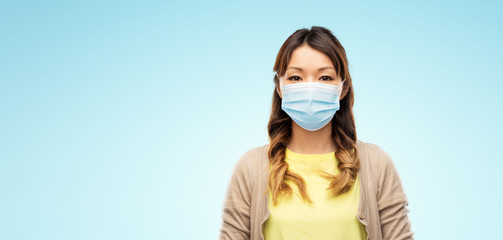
123	120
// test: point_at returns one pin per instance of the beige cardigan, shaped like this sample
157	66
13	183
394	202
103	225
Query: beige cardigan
382	206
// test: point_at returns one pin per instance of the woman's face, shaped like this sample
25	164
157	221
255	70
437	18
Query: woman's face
309	65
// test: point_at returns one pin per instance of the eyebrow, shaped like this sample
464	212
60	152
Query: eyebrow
320	69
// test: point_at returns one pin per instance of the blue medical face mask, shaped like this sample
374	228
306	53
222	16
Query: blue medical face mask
311	104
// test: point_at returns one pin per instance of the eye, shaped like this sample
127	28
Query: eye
325	79
290	78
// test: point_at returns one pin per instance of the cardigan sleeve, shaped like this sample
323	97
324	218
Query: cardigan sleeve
236	205
392	201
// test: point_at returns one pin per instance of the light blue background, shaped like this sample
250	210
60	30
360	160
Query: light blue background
123	120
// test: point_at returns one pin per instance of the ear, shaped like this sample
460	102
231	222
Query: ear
278	89
342	92
279	92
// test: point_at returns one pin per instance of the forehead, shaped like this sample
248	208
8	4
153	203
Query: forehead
306	57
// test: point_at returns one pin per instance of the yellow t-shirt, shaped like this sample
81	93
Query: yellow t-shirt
330	218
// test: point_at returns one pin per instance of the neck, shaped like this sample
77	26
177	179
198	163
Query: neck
311	142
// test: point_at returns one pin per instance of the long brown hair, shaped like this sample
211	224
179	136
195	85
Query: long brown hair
343	123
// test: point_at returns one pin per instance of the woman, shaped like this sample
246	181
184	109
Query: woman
315	179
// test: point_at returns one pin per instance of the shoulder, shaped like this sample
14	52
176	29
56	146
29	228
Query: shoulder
379	159
256	151
383	170
252	158
371	148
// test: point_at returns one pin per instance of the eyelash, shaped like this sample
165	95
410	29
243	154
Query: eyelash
330	78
